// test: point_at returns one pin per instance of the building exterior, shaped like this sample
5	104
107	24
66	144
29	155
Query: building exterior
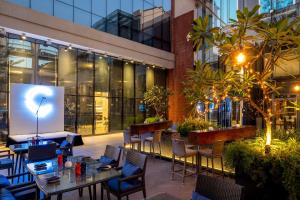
105	53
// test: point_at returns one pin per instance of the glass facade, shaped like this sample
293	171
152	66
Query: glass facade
143	21
102	93
267	5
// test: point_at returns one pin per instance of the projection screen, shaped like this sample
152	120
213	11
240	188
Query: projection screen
24	102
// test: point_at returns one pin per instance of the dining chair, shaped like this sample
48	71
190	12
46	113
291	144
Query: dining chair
209	187
180	149
153	140
7	161
132	178
111	156
38	153
131	140
66	147
216	151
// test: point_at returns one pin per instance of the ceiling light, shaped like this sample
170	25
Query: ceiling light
132	61
23	36
70	47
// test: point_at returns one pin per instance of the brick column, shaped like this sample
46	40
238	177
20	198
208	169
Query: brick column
184	59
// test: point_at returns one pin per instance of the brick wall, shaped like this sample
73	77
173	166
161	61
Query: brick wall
184	59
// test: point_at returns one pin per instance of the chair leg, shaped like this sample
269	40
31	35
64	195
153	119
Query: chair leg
159	149
173	166
222	167
127	197
212	165
153	149
144	142
101	191
144	192
90	193
184	169
206	165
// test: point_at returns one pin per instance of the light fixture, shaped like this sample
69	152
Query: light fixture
132	61
89	51
241	58
296	88
70	47
126	63
100	57
48	42
153	66
23	36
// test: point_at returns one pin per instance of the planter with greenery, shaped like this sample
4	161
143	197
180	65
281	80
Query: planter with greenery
272	176
190	124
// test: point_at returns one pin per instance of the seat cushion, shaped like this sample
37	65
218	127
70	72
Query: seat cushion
135	140
65	144
5	163
113	185
106	160
206	152
59	152
4	182
197	196
6	195
190	152
130	169
149	139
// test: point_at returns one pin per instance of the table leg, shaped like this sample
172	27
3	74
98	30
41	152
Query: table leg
95	192
16	163
37	193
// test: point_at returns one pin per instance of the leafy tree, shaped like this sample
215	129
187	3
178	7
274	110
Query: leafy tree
156	98
241	45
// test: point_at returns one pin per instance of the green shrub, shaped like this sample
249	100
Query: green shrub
280	167
191	124
151	120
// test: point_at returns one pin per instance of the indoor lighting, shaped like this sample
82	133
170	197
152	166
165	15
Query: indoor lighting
70	47
296	88
153	66
241	58
100	57
66	49
126	63
23	36
132	61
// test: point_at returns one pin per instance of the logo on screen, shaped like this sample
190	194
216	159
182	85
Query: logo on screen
39	95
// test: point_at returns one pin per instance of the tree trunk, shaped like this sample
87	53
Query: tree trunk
268	131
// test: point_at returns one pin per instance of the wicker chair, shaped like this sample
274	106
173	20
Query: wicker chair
218	189
112	154
126	185
180	149
132	141
152	140
215	152
66	147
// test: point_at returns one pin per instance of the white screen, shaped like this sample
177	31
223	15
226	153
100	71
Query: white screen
24	102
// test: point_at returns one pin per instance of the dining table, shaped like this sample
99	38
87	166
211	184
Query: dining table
68	179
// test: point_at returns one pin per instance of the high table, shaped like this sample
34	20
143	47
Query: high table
69	181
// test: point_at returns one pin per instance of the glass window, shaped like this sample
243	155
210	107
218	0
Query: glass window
63	11
167	5
149	77
86	73
20	58
160	77
101	115
128	80
166	29
70	113
126	6
101	76
70	2
45	6
112	6
140	80
83	4
129	107
98	23
140	111
3	112
99	7
25	3
116	78
85	115
3	64
112	27
47	64
115	117
82	17
67	70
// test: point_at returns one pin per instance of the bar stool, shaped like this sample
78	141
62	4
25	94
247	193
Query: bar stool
215	152
152	140
180	150
132	141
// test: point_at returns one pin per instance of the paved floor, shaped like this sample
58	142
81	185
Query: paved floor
157	174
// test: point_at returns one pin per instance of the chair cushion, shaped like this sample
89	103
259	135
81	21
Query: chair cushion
190	152
106	160
130	169
135	140
6	195
5	163
206	152
149	138
4	182
197	196
59	152
65	144
113	185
